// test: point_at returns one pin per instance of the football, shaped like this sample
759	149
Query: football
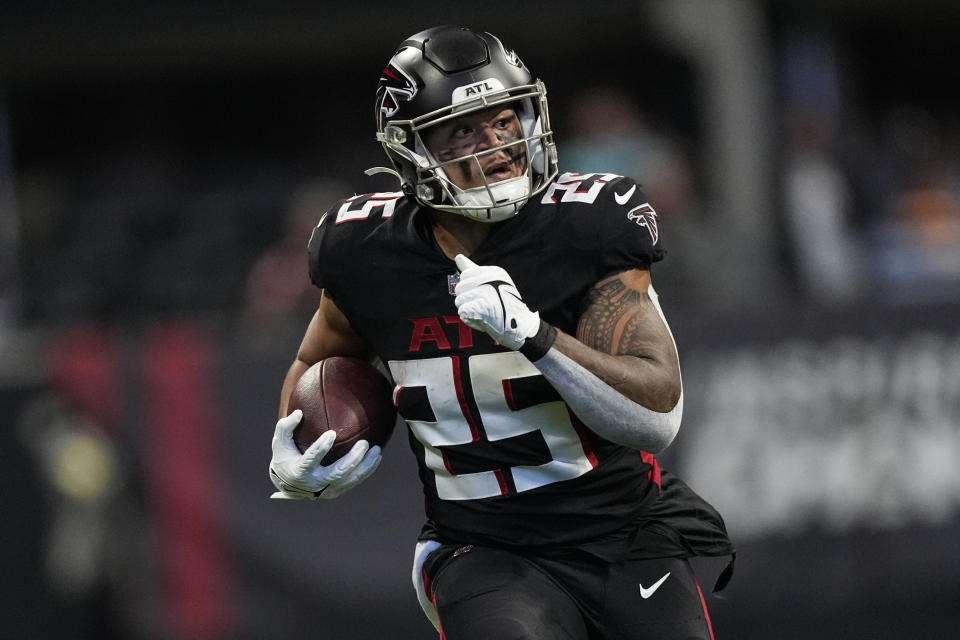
348	395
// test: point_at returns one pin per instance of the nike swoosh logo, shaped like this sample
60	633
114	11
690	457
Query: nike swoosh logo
646	592
511	294
624	198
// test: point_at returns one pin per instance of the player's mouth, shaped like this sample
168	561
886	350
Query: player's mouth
500	170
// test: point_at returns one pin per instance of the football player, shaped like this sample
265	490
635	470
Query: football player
514	309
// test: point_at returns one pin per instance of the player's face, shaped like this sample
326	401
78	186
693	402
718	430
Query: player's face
491	130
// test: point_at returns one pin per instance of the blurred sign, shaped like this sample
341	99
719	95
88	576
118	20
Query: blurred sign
836	430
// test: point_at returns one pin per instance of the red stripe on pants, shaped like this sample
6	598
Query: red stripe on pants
703	602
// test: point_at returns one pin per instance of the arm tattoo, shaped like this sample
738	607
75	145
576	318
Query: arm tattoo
622	321
623	340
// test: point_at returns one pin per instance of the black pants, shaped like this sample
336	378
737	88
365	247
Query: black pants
492	594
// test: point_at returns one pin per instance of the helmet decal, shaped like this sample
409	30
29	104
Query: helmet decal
475	89
512	57
509	54
395	86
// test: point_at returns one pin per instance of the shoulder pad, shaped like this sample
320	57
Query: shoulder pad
330	243
617	208
579	187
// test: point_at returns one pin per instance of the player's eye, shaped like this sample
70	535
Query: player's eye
462	131
505	119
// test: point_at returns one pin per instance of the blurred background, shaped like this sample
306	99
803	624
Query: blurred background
161	165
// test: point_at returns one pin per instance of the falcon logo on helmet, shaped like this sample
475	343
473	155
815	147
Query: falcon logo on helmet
394	86
512	57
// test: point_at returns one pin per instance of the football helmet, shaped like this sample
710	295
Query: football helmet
442	74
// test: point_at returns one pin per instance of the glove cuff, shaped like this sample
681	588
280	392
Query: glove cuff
537	345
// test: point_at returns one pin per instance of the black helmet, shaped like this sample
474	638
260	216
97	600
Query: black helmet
447	72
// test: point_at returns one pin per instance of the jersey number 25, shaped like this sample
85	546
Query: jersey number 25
433	396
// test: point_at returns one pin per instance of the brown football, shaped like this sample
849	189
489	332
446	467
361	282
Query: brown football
346	394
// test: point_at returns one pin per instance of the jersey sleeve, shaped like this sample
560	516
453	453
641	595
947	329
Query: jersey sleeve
321	250
340	239
629	226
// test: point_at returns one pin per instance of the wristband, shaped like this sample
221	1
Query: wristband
536	346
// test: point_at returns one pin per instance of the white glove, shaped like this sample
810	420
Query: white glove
299	476
488	301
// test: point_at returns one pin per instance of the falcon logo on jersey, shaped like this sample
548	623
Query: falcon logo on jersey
645	216
395	86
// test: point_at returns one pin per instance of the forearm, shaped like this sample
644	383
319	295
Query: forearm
621	374
649	382
600	404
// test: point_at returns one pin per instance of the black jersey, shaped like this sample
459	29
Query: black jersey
502	458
